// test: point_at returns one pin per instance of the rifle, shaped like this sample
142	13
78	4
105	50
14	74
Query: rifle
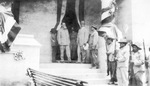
146	63
131	64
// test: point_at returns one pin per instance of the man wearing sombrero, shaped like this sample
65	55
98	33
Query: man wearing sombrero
122	59
111	63
54	43
138	67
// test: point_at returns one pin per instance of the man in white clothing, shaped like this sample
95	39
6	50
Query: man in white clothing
122	59
82	40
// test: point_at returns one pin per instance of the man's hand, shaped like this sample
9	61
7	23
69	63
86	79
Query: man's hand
131	61
116	59
84	44
93	47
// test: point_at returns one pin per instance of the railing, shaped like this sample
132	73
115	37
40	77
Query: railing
43	79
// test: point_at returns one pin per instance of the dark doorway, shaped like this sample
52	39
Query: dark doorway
72	23
70	16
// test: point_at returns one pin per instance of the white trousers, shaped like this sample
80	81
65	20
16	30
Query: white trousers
122	76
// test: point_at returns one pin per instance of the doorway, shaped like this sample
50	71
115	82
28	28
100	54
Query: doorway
71	20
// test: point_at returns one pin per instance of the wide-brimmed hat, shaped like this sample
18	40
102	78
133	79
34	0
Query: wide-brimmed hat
111	36
94	27
137	44
102	29
123	40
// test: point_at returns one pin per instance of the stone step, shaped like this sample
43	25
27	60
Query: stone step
94	77
91	78
65	65
95	81
75	73
70	71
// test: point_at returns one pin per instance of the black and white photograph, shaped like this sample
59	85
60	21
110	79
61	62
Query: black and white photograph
74	43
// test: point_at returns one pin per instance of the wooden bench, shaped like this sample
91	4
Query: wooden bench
43	79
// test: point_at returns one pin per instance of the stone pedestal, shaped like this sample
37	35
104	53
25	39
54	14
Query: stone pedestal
102	57
14	70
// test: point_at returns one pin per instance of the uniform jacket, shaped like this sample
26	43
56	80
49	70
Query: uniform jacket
83	35
54	41
111	50
123	57
138	61
63	37
93	41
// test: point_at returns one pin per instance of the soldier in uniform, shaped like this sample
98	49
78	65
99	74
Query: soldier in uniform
82	39
138	67
93	45
111	47
64	42
148	74
54	44
122	59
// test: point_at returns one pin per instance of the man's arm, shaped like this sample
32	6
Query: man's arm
58	37
139	61
123	57
95	40
68	36
78	37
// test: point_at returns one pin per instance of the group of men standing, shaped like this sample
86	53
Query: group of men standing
120	55
75	43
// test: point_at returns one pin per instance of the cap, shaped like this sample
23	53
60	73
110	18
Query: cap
94	27
123	40
137	44
102	29
110	37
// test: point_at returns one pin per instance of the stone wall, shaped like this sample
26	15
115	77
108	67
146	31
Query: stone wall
37	18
